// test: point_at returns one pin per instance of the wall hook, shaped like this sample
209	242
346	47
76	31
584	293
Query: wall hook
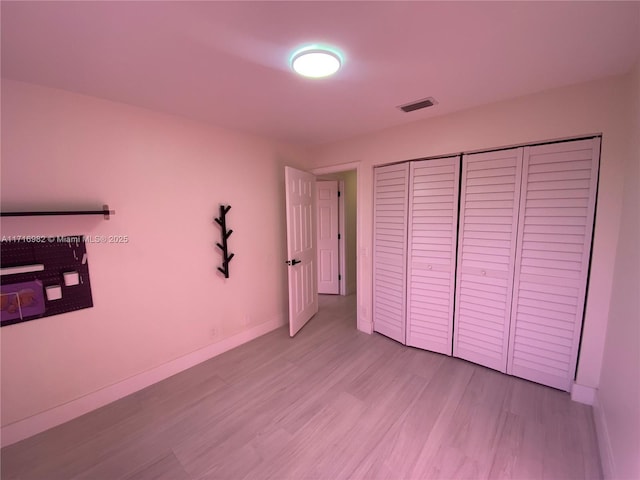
226	256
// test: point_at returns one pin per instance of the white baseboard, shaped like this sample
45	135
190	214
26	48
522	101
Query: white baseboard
366	327
604	441
40	422
583	394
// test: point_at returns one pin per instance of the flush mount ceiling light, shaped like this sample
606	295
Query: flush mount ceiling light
315	61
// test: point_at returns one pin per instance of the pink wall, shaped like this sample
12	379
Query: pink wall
157	297
596	107
65	150
619	389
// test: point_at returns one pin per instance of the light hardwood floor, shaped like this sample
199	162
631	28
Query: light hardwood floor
331	403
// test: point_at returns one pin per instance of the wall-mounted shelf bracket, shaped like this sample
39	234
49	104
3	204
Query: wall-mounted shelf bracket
105	211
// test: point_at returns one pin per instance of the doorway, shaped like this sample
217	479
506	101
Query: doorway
345	224
329	239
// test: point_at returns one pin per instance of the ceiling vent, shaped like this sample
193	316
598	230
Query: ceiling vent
410	107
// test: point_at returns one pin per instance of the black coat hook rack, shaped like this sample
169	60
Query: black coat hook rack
226	256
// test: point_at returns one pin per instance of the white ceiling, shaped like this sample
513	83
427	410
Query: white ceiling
227	63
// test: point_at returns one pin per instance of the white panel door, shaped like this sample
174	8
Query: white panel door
489	198
301	247
557	205
433	225
390	250
328	243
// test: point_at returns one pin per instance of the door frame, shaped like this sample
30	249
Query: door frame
364	325
342	244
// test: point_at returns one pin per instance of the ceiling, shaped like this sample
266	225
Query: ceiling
227	63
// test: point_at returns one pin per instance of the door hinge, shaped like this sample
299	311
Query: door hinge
339	277
338	192
338	236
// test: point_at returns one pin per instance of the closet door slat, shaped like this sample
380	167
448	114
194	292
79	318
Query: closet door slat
432	253
391	184
554	243
489	199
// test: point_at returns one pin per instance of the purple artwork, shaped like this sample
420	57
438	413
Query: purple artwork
21	300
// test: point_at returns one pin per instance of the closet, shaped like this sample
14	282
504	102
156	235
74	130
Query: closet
557	208
489	199
431	261
391	190
486	257
416	216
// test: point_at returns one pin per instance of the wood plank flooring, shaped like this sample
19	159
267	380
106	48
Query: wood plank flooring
331	403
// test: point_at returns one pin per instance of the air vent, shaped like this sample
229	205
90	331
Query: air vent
410	107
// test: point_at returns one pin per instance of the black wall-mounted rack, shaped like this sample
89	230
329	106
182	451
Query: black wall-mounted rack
105	211
226	256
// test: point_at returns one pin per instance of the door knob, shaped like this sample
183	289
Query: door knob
293	262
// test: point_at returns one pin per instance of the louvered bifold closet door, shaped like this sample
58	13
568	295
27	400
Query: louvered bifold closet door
390	250
489	197
554	245
433	225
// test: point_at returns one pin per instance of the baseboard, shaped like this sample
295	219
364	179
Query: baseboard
366	327
604	441
583	394
40	422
